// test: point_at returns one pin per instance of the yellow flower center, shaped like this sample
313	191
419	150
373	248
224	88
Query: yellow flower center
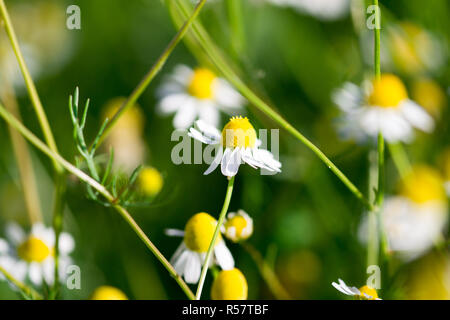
423	184
369	291
387	92
150	181
239	132
33	250
108	293
199	232
230	285
429	95
239	223
201	84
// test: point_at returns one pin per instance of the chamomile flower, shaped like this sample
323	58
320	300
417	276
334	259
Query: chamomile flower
31	256
383	106
414	220
108	293
190	255
235	145
150	181
363	293
197	94
229	285
238	226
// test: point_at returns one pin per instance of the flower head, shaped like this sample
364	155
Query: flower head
238	226
423	184
236	144
229	285
108	293
197	94
363	293
383	107
32	255
197	236
150	181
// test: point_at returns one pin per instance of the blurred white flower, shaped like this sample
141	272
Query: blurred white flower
321	9
190	255
414	221
31	256
197	94
241	146
380	106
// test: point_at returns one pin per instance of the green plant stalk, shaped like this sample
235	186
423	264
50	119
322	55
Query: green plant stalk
267	273
154	70
205	41
39	109
223	213
12	121
21	286
400	158
234	9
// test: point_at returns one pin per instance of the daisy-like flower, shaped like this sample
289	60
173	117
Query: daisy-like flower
31	256
150	181
383	106
197	94
363	293
236	144
230	285
414	220
108	293
321	9
190	255
238	226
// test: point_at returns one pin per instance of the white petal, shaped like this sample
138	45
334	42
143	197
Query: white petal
417	116
216	162
338	287
181	248
185	116
348	97
193	268
227	96
15	233
66	243
232	163
223	256
179	263
172	103
35	273
208	130
174	232
4	246
209	114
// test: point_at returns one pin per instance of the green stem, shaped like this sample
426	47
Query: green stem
234	8
12	121
39	109
206	43
214	238
267	273
400	158
154	70
27	291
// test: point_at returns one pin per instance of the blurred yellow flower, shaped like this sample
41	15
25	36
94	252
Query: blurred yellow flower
108	293
33	250
201	83
132	119
387	92
423	184
230	285
429	95
150	181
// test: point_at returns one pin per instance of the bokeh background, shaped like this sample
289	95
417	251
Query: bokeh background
305	220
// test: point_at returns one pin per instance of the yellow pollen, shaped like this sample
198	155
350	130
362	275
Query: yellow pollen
239	223
201	84
423	184
150	181
238	132
387	92
369	291
33	250
230	285
199	232
108	293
